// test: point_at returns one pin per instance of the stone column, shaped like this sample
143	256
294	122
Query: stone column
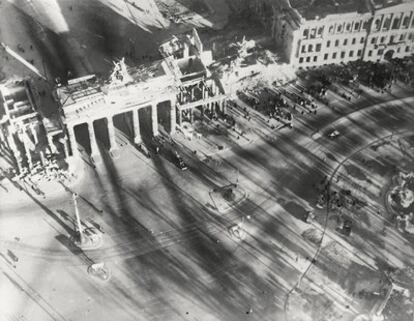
28	153
65	144
203	92
135	122
92	138
42	158
2	138
154	117
213	87
71	140
23	138
34	133
52	146
173	116
202	111
224	106
180	117
6	141
191	115
192	94
111	134
16	152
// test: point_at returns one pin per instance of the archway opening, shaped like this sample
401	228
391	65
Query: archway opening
82	137
145	122
389	55
101	132
164	114
124	123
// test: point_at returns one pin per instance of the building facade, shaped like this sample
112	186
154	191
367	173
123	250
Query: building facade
164	92
21	126
350	30
391	33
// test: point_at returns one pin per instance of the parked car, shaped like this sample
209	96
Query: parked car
347	227
333	134
179	162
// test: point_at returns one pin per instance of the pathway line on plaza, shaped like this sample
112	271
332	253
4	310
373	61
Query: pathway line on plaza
23	286
324	231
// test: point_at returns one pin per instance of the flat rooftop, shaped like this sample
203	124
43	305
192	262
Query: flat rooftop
190	65
77	90
86	87
387	3
321	8
16	100
146	72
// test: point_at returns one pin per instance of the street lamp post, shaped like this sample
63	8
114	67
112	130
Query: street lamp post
78	221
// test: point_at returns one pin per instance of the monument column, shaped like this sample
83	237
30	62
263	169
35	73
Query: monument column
92	139
111	134
135	121
154	117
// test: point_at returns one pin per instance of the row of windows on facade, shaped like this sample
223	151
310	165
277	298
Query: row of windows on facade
317	32
349	27
397	23
374	40
380	52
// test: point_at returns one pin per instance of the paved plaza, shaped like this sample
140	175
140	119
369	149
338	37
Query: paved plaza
271	218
